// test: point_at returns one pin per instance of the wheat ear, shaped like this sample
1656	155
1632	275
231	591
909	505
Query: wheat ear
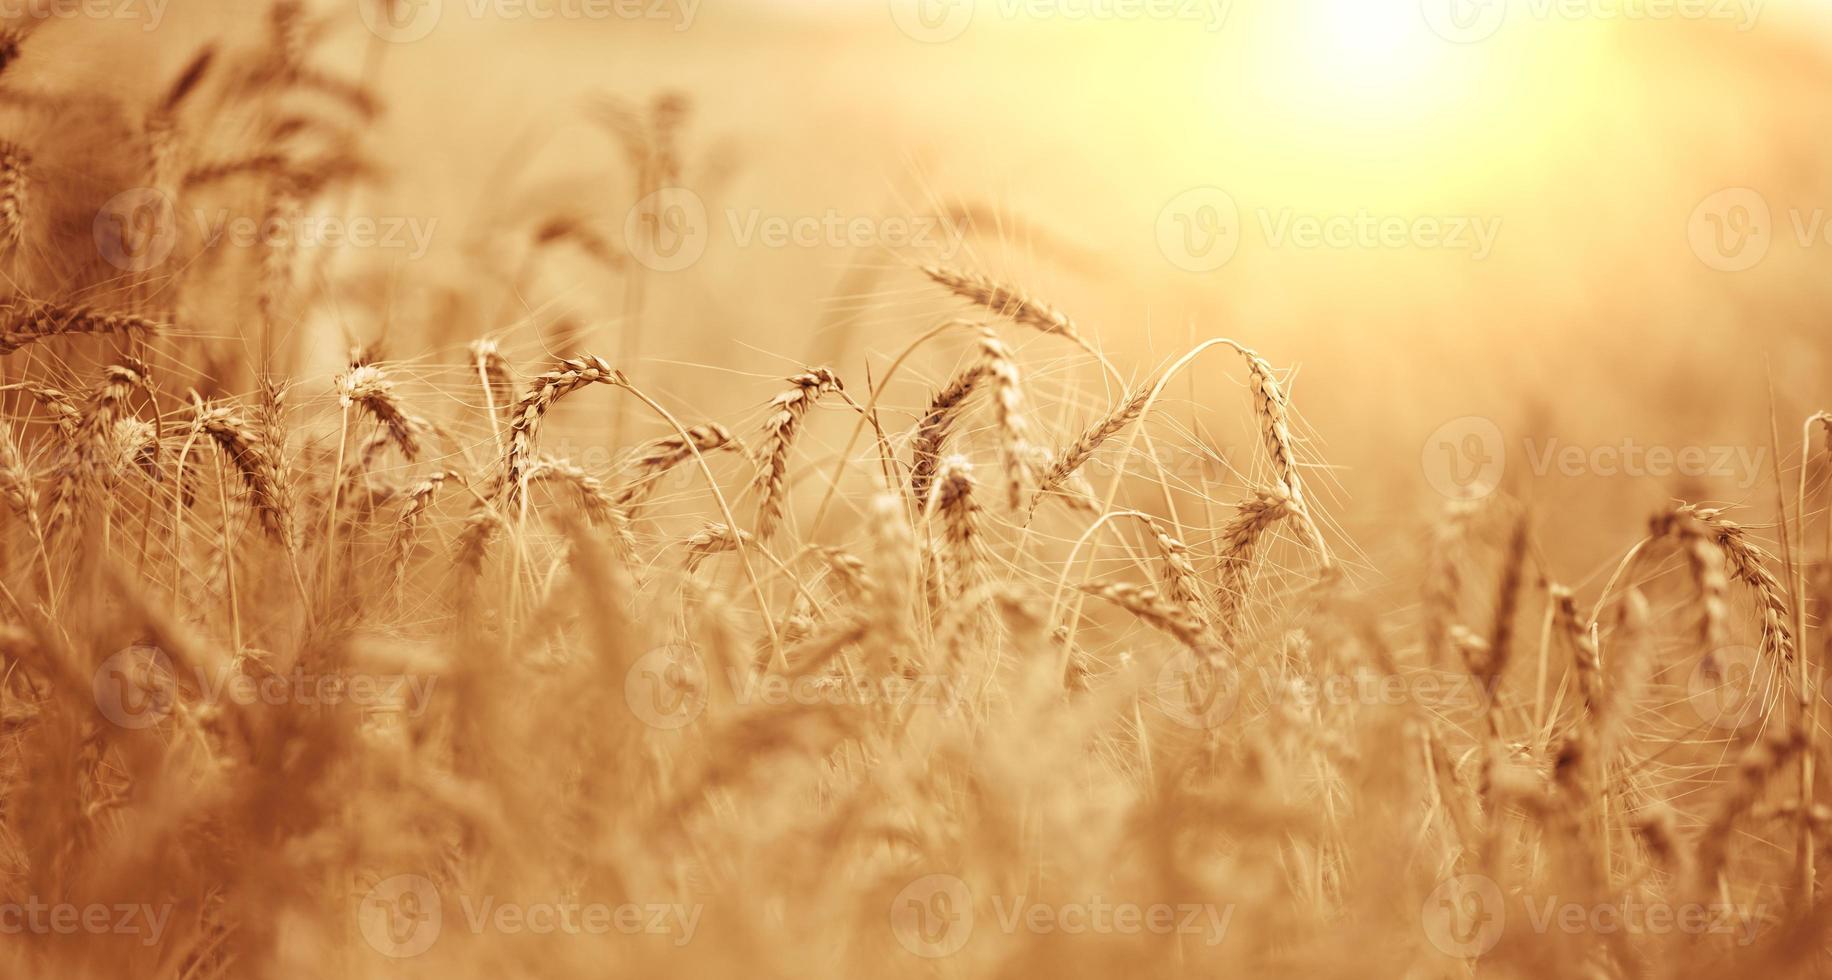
253	459
23	323
15	162
1240	541
787	410
570	376
1071	457
367	387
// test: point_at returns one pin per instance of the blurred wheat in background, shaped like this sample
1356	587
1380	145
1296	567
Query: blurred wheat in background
659	488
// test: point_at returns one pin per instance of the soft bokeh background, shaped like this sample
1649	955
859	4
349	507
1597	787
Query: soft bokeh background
1076	150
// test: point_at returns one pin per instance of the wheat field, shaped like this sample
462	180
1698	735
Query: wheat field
571	489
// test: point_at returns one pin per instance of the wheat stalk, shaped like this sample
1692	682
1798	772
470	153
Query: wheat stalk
1240	540
1007	301
787	411
1714	542
367	387
572	375
952	503
933	428
23	323
1152	609
1008	411
654	460
253	459
1071	457
15	162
